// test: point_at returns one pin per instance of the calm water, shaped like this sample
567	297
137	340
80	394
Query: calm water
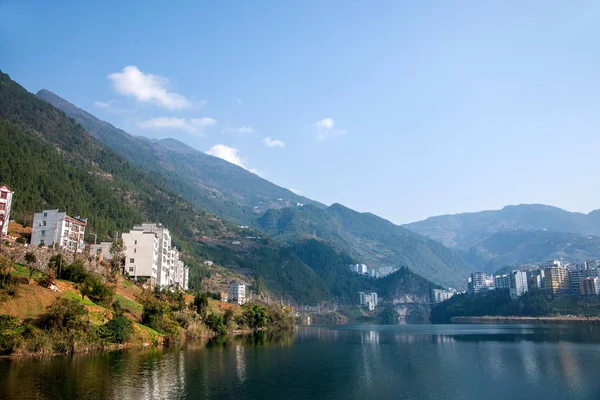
354	362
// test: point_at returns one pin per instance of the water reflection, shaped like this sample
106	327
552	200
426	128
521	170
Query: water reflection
419	362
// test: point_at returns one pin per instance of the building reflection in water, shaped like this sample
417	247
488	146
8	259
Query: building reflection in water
240	363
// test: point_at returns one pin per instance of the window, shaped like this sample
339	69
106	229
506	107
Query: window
2	206
45	214
130	269
43	232
3	195
135	242
135	250
44	223
131	260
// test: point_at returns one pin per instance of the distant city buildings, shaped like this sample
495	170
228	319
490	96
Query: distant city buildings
237	292
552	276
556	278
439	295
590	286
517	284
364	269
479	282
55	228
368	300
6	195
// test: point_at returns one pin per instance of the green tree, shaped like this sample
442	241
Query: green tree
117	252
201	304
30	258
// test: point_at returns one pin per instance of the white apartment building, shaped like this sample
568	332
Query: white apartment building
440	295
237	292
518	284
150	254
141	255
369	300
6	195
52	227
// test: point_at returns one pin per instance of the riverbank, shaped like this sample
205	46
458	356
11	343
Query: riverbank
526	320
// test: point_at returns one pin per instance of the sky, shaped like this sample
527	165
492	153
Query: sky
403	109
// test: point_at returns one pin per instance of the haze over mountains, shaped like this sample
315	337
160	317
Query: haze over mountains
526	233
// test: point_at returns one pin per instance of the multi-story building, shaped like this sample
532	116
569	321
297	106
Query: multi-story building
141	255
369	300
237	292
480	282
535	278
590	286
517	283
576	276
502	281
150	255
55	228
439	295
556	279
6	195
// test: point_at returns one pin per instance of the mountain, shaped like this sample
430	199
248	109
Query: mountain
50	161
368	239
462	231
531	247
522	234
232	193
222	188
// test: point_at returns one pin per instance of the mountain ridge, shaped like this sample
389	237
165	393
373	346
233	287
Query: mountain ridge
223	189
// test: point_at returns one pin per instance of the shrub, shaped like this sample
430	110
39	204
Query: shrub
216	324
95	290
201	304
65	314
75	272
117	330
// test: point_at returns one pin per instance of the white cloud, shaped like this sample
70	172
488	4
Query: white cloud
194	125
326	129
230	154
273	142
103	104
147	88
246	129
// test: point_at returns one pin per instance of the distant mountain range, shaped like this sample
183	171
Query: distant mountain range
236	195
526	233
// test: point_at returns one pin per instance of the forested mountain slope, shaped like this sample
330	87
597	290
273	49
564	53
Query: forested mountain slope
218	186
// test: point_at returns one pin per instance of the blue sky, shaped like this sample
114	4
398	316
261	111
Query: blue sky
403	109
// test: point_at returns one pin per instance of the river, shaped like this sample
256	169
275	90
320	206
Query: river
348	362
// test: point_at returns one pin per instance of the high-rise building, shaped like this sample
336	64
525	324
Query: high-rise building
150	255
502	281
439	295
6	195
556	279
480	282
237	292
55	228
590	286
517	283
576	276
369	300
535	278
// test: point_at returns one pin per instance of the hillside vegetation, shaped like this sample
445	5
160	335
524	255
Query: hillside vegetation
368	239
50	161
222	188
